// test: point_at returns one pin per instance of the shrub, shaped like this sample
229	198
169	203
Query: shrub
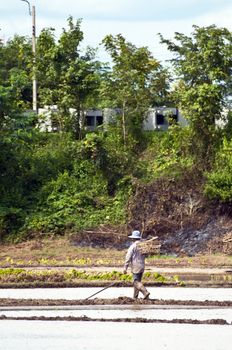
219	180
166	154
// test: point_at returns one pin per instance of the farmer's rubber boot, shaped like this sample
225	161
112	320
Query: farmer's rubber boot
136	291
142	289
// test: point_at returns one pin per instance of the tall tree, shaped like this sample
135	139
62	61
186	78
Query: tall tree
67	77
133	84
46	72
203	64
15	75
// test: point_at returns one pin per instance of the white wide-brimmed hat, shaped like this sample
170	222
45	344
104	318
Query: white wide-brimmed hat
135	234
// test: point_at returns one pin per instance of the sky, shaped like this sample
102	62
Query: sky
139	21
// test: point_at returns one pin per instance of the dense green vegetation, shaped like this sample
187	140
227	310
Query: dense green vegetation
67	181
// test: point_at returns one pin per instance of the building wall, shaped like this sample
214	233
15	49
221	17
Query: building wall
45	118
93	119
156	118
159	118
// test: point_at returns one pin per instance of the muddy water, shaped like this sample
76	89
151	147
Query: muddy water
47	335
122	312
199	294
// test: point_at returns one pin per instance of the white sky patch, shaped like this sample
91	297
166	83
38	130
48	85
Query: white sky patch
221	18
145	33
83	8
128	17
128	10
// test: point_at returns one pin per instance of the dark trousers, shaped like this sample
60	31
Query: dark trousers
137	276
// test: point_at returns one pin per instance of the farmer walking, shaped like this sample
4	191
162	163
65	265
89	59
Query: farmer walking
137	262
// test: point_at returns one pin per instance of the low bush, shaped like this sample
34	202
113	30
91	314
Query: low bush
219	180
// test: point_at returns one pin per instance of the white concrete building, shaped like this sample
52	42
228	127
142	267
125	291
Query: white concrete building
49	118
92	119
158	118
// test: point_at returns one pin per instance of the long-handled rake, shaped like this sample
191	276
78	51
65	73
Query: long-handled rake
111	285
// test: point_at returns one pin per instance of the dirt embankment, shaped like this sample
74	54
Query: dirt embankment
217	321
115	301
184	220
177	212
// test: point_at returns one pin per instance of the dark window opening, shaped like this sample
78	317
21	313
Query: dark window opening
159	119
89	120
99	120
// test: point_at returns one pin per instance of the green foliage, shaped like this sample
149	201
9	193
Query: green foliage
6	101
166	154
133	83
203	65
105	276
16	275
52	183
11	271
219	180
76	201
67	78
155	276
10	218
227	120
15	77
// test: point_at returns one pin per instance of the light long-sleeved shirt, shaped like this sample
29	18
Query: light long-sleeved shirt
135	259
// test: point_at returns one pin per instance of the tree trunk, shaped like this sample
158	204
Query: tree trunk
124	123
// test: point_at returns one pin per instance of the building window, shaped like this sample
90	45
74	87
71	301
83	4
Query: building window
159	119
89	120
99	120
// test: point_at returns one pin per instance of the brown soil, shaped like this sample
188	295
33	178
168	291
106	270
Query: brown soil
185	222
115	301
133	320
60	252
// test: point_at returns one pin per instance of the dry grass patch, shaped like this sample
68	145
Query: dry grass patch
57	252
60	252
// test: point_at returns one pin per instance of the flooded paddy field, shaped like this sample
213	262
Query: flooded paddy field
174	293
167	304
119	313
49	335
173	318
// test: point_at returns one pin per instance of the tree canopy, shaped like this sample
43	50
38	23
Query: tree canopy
203	66
67	78
136	81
